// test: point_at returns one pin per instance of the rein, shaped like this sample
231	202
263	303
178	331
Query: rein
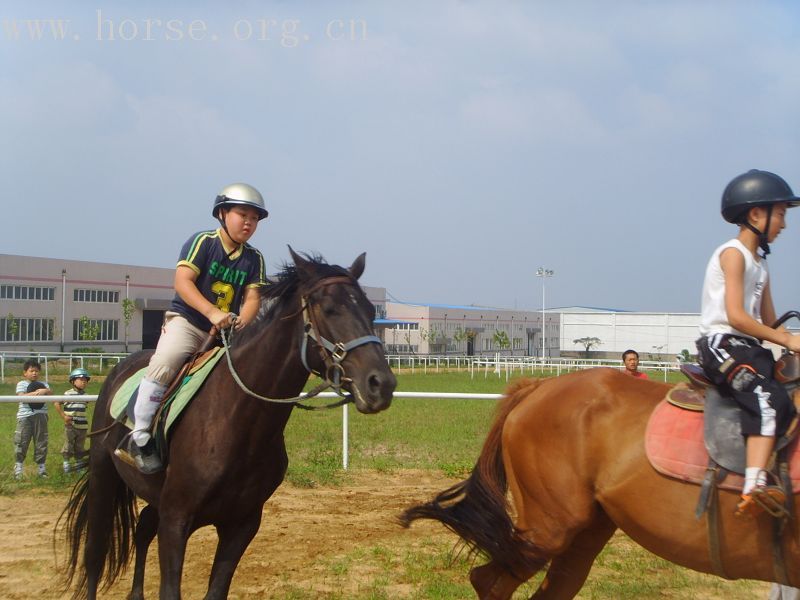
332	354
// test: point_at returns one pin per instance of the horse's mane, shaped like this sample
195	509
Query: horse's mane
277	296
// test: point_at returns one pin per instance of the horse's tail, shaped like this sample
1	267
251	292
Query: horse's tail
477	509
100	518
105	552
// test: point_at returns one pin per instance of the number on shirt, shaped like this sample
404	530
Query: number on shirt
224	292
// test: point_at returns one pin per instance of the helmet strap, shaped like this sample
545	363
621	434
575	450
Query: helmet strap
763	239
221	220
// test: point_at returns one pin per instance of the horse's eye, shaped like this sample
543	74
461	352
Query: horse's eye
328	306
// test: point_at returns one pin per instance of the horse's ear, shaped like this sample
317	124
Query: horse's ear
357	268
299	262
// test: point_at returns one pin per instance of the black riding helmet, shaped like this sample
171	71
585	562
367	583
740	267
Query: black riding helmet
755	188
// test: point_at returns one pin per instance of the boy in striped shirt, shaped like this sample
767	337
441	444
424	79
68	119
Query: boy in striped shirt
75	423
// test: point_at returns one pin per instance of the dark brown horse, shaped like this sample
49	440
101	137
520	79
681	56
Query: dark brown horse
226	454
571	451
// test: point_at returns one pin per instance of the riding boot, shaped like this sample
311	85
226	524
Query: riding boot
141	446
147	402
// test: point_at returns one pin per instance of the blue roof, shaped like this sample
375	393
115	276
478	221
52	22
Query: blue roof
391	322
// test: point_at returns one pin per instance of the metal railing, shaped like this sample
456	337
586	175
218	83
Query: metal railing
78	359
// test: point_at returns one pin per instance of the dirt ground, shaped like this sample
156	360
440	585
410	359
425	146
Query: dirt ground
301	528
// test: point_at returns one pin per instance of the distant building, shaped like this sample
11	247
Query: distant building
470	330
53	304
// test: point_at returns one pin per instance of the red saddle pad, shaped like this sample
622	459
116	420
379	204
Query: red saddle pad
675	447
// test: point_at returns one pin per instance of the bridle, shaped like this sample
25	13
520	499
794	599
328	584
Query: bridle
332	354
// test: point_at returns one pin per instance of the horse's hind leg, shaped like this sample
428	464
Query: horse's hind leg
493	582
568	570
233	541
146	530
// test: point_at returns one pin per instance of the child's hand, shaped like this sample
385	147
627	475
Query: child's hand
67	420
793	342
43	392
220	319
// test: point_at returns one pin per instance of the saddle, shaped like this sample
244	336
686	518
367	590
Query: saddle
694	435
177	397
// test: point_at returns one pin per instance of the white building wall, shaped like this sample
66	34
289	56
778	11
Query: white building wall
647	333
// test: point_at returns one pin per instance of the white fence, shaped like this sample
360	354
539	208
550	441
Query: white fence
345	412
45	358
499	364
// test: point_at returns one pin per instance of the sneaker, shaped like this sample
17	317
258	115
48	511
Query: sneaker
145	458
42	474
763	498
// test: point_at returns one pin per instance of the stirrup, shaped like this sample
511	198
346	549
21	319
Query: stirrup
767	498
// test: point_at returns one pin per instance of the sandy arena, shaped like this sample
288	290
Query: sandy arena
301	528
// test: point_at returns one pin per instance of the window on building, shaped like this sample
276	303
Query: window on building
517	343
84	295
401	348
26	292
100	330
26	330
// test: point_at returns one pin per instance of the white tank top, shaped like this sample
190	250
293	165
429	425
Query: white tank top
713	316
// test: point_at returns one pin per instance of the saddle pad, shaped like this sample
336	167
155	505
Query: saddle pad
178	401
675	448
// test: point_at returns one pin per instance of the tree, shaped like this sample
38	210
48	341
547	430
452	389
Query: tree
431	336
588	343
685	356
88	331
128	309
459	335
12	327
500	339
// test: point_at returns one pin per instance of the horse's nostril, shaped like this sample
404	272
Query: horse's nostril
374	383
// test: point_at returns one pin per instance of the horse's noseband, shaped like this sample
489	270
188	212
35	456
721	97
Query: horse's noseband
333	354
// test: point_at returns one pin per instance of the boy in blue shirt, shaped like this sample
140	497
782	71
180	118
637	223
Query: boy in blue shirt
736	308
218	274
31	420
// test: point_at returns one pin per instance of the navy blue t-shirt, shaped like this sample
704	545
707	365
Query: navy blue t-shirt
220	278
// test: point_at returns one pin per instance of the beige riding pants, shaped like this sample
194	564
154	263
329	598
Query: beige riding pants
179	340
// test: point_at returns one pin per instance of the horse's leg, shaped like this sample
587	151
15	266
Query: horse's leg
233	541
493	582
568	570
174	528
146	530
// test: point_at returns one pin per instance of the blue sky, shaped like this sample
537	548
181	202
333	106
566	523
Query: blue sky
460	144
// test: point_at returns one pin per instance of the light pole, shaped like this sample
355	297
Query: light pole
544	274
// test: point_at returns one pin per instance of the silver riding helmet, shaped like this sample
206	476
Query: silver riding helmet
240	194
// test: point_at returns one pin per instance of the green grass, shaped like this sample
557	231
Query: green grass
441	434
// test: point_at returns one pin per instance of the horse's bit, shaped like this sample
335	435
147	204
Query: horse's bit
332	354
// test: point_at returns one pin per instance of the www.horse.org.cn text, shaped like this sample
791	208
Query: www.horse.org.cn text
286	33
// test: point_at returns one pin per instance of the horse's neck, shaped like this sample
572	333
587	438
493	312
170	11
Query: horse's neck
270	361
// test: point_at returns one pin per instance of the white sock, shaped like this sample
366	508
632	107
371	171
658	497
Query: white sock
147	401
41	469
17	467
751	475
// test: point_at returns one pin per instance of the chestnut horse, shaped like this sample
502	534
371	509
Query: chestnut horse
571	451
226	453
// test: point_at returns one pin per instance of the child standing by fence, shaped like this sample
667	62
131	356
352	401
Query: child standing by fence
75	423
31	421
